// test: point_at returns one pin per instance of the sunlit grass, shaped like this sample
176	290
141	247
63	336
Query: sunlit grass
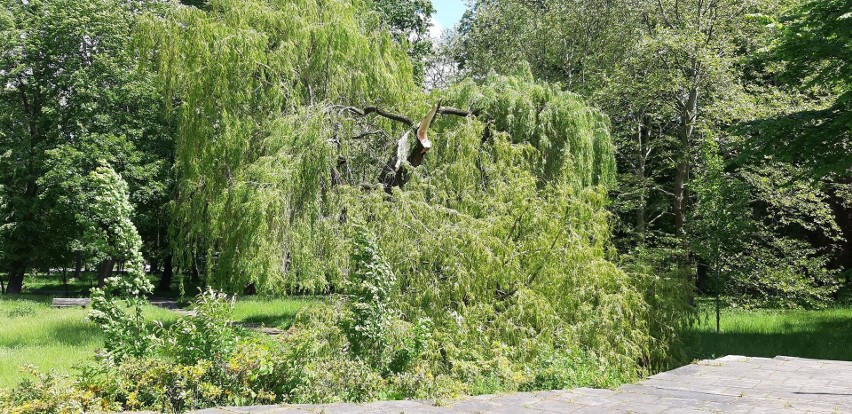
271	312
33	333
822	334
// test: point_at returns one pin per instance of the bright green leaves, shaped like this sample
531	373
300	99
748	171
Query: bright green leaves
108	229
72	97
571	139
251	156
371	286
817	43
106	221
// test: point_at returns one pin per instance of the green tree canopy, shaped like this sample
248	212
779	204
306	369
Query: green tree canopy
71	96
815	50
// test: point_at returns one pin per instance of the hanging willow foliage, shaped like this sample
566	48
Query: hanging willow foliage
500	236
250	164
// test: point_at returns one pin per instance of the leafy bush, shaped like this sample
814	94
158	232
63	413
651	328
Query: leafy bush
206	336
370	286
49	392
251	374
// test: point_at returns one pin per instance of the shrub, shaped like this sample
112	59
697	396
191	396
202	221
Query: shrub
370	287
206	336
44	393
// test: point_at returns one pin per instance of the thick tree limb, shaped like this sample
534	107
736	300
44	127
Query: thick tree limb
378	111
448	110
407	149
393	174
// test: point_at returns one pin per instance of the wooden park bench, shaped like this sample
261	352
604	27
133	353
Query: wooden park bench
70	302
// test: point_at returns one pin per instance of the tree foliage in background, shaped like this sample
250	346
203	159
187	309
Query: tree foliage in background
409	22
797	153
669	74
71	96
816	51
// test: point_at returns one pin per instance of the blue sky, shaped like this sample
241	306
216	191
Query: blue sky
448	12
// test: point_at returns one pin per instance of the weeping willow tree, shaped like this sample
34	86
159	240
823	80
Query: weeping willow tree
501	236
299	122
245	79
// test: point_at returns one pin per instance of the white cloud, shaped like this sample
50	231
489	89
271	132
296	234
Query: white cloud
436	30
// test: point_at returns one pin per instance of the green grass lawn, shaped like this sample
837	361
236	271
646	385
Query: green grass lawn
270	312
31	332
822	334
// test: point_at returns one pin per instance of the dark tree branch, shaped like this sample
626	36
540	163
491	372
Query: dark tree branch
378	111
448	110
410	150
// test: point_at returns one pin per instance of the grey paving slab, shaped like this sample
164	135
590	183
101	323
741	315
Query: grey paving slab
732	384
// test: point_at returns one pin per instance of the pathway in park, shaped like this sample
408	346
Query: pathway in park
732	384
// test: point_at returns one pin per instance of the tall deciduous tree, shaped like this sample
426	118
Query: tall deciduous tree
70	89
409	22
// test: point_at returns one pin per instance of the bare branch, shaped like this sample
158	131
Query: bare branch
448	110
658	216
378	111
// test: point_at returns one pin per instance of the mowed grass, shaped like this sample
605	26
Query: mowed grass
820	334
271	312
33	333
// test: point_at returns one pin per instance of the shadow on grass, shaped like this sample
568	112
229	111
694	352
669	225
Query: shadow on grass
26	298
825	338
281	321
68	334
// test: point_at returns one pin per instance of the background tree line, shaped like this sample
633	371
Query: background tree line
731	120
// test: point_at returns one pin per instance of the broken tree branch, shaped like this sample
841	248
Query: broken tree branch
407	149
378	111
393	173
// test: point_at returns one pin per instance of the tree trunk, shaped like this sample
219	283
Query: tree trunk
166	280
65	278
105	271
194	276
155	266
411	150
689	112
702	278
640	176
16	277
78	265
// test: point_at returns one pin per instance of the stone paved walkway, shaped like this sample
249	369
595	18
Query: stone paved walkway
732	384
